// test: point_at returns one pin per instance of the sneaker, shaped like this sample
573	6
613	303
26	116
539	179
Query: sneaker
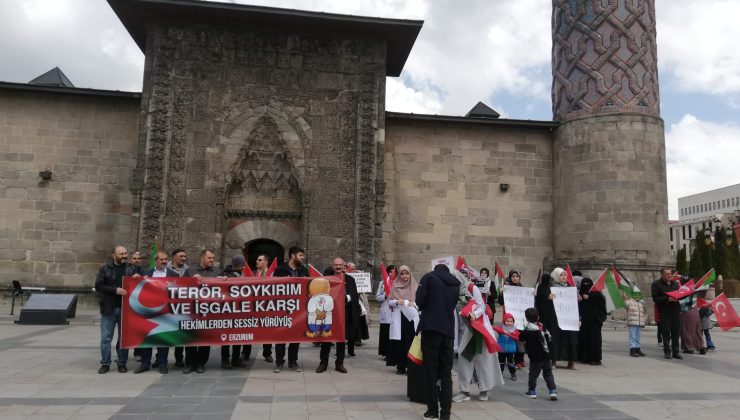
513	376
483	396
553	395
278	368
294	367
122	369
430	415
461	397
103	369
141	369
163	370
200	369
531	394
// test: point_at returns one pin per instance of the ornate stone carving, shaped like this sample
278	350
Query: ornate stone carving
604	58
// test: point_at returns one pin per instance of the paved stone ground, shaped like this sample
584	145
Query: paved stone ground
49	372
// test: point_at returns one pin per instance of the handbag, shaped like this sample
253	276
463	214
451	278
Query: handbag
415	354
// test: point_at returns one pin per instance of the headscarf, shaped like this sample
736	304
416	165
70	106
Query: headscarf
511	273
586	285
555	281
404	289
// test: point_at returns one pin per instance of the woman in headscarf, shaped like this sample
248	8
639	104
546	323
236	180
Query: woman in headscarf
564	343
691	336
592	312
488	288
404	318
384	290
475	360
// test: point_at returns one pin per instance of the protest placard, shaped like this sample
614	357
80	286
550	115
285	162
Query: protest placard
566	307
363	280
196	311
516	301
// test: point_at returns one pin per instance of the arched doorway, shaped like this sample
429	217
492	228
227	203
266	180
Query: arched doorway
257	247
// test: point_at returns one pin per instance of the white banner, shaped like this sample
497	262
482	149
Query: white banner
448	261
566	307
363	281
516	301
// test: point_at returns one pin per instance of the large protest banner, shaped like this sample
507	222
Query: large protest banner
516	301
566	307
196	311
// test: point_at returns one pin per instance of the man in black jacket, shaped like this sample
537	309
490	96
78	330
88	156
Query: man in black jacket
293	268
197	357
109	287
235	269
670	312
436	298
160	270
351	321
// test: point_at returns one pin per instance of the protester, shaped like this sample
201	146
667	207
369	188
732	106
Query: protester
538	343
381	296
179	266
592	313
488	288
262	265
669	310
230	354
514	279
636	317
692	339
564	343
160	270
404	316
705	313
351	321
109	287
197	356
436	297
295	267
508	339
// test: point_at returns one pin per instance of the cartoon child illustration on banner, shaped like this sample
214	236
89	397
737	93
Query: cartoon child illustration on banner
320	305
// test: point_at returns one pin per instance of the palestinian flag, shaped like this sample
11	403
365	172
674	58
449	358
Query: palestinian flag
149	322
706	281
607	285
463	267
271	268
628	287
153	254
498	277
569	276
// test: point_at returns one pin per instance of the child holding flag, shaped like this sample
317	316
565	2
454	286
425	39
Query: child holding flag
537	342
508	339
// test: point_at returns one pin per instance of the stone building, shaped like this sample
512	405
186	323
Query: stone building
261	128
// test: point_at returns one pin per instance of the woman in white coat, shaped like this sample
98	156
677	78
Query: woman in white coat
381	296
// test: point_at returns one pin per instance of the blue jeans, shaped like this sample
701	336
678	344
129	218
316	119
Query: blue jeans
634	339
108	325
710	343
161	358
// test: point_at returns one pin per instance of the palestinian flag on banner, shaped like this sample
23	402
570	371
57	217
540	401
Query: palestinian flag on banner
627	286
313	272
271	268
498	277
607	285
151	321
569	276
706	281
153	254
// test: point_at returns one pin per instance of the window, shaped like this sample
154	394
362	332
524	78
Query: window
724	204
691	229
683	232
671	231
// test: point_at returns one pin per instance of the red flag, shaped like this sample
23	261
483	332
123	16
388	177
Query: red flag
271	269
384	276
313	272
676	276
700	303
461	264
683	291
478	325
246	271
725	313
499	329
569	276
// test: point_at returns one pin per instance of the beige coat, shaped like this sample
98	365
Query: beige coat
635	312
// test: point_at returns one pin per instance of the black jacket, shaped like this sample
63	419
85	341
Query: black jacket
170	273
106	284
436	297
284	270
204	272
230	272
658	290
533	345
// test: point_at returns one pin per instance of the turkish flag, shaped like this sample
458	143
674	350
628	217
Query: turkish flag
569	276
700	303
499	329
725	313
478	324
683	291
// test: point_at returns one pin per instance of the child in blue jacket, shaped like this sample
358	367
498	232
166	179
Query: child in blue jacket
508	336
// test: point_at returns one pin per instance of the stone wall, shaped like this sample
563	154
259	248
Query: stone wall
443	197
58	232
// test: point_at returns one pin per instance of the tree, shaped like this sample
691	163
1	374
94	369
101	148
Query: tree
682	266
696	265
704	248
718	252
733	256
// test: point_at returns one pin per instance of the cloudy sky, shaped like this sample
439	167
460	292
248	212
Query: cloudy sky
497	51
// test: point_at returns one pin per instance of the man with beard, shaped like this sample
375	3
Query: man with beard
234	269
179	266
293	268
197	356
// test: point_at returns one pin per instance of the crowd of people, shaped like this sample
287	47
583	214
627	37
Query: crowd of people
450	310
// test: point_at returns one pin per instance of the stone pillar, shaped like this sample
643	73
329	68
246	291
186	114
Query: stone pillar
610	199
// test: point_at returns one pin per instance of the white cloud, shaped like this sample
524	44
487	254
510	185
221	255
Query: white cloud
402	98
697	43
701	156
